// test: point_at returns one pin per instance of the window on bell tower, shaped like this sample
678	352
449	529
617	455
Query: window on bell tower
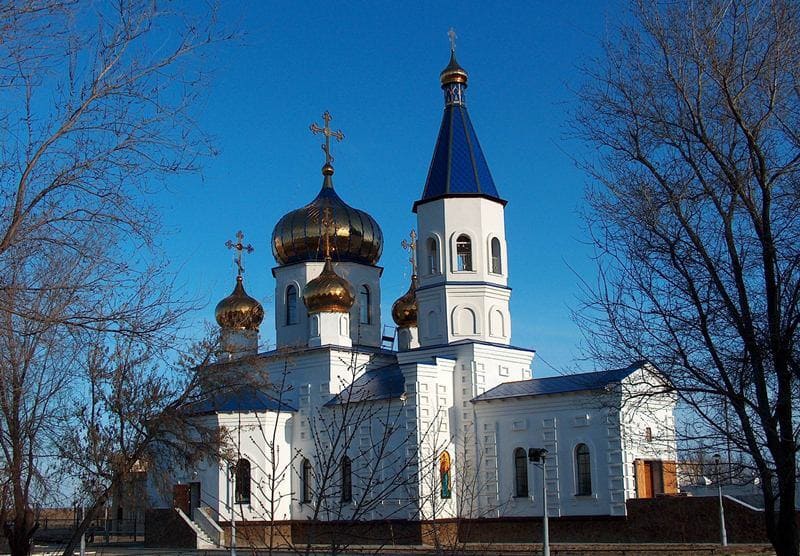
464	253
497	264
433	257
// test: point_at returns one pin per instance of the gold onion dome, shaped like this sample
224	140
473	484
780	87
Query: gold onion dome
239	311
404	310
355	236
328	292
453	73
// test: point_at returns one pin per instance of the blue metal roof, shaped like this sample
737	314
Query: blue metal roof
378	384
236	401
558	384
458	166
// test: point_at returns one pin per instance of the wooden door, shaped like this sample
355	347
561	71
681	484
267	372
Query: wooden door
180	498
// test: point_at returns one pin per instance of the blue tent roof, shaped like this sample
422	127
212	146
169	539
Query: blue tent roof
458	166
558	384
378	384
235	401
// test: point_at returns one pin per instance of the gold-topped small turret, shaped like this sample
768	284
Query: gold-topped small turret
239	311
328	292
404	310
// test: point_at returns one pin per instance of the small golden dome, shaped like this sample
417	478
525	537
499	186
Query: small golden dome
453	73
239	311
328	292
404	310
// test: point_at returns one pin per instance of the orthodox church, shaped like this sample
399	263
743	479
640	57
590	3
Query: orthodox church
439	419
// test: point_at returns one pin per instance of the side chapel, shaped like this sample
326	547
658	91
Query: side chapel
340	422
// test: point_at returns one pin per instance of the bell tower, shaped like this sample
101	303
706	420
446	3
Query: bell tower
463	288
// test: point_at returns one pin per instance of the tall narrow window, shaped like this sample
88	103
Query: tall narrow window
242	487
363	304
347	479
305	480
463	253
291	305
648	434
583	470
497	265
520	473
433	257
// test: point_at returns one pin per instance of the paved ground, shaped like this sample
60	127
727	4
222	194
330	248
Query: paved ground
133	549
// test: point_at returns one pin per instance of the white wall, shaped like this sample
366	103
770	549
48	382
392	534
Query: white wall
460	304
299	275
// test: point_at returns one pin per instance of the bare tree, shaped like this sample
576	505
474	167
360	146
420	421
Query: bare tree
95	105
694	117
136	417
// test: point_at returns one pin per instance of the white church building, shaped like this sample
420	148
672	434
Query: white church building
437	420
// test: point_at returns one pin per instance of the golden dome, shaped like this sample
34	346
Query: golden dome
355	236
453	73
239	311
404	310
328	292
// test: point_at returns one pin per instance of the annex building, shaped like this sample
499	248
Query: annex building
340	423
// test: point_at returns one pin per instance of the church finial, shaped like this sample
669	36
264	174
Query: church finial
411	247
239	247
453	77
327	168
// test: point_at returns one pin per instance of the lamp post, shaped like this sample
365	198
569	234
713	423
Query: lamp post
539	455
723	533
232	491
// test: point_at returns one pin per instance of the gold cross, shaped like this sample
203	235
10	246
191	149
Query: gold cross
452	34
327	222
239	247
412	247
328	133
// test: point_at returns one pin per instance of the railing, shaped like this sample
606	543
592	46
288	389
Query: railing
100	530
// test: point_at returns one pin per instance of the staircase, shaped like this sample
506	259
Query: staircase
207	532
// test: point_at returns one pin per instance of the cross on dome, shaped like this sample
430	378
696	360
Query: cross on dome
328	133
411	246
452	35
239	247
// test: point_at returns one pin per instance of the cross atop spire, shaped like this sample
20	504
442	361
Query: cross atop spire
239	247
328	133
411	247
452	35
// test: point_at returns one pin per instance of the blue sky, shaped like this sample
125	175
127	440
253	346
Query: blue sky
375	67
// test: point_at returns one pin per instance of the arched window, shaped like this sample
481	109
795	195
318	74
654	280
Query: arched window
497	265
648	434
347	479
363	304
291	304
583	470
520	473
305	481
463	253
433	257
242	483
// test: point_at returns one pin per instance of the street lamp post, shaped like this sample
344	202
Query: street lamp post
232	491
723	533
539	455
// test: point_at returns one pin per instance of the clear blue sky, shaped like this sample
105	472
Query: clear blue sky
375	67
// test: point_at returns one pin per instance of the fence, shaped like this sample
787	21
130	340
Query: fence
99	531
